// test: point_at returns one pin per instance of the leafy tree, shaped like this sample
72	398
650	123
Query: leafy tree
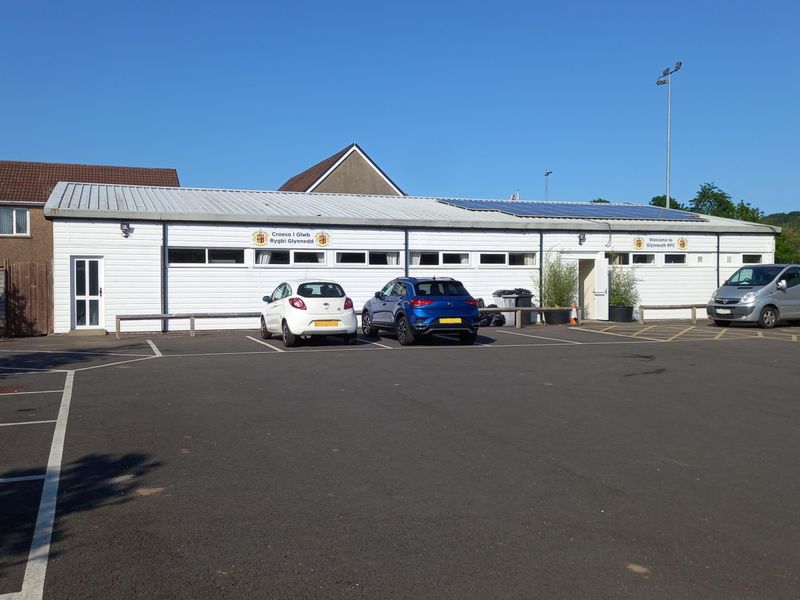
659	201
601	201
787	245
710	200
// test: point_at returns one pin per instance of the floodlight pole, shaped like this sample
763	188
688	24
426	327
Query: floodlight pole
546	179
666	79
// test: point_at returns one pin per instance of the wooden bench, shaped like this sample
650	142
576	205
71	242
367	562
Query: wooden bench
191	316
694	308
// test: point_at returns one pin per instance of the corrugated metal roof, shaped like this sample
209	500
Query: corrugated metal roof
138	203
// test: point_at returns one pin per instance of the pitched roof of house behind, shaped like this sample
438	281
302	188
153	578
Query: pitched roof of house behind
305	181
33	181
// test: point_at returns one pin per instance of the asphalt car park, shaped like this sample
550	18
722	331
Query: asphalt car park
601	461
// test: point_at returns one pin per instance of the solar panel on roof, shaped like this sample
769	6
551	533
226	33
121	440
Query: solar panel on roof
558	210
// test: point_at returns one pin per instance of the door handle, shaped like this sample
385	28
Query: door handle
101	292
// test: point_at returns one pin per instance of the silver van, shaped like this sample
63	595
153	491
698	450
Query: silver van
763	294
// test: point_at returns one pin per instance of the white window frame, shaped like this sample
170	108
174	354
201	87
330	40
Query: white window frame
760	260
493	265
535	264
676	264
292	262
644	264
399	254
347	265
206	264
14	233
610	257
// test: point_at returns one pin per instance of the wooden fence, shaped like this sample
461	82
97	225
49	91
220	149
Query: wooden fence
29	298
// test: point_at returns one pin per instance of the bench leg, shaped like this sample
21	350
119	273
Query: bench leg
191	326
117	327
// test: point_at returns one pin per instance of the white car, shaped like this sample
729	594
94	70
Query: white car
302	308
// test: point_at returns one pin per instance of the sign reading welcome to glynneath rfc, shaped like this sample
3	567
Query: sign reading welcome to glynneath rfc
660	242
294	238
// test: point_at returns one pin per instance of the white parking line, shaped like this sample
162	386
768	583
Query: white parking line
267	344
540	337
26	423
154	347
616	334
19	479
35	392
87	352
113	364
375	344
33	583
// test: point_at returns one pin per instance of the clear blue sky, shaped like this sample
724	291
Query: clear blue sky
469	99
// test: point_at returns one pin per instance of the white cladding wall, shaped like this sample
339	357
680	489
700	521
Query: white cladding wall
131	270
132	266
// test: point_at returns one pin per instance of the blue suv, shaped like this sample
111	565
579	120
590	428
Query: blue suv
414	306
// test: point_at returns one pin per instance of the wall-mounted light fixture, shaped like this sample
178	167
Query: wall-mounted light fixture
581	238
126	229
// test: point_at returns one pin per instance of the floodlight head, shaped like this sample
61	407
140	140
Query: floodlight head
678	65
547	172
665	72
661	82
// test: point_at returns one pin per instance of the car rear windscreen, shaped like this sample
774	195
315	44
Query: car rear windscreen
320	289
441	288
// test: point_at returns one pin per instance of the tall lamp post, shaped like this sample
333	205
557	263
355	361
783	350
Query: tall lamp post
666	79
546	179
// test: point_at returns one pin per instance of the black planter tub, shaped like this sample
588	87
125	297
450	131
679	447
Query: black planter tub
620	314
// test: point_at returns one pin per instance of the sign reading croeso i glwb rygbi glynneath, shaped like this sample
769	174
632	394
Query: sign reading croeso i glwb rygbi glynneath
660	242
291	238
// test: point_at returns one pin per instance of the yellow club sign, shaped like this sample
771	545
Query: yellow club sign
322	239
260	238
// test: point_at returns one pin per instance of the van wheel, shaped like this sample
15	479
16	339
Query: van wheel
768	318
404	334
265	334
289	339
722	323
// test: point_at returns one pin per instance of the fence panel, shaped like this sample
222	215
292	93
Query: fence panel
29	298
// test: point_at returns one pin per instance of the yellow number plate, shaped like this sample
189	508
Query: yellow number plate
326	323
447	320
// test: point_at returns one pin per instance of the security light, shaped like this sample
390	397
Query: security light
126	229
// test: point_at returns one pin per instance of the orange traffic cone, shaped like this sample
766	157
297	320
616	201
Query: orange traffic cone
573	316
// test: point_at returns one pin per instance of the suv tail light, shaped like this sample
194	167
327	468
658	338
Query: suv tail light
297	303
472	302
417	302
348	304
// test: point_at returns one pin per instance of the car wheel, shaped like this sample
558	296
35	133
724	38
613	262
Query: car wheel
289	339
349	339
265	334
768	318
468	338
404	334
722	323
366	325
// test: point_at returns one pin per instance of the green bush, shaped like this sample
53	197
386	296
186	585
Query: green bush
559	281
623	288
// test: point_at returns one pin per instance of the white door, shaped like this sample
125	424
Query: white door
601	289
87	293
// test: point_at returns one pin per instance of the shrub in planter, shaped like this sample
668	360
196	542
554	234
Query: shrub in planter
559	283
623	294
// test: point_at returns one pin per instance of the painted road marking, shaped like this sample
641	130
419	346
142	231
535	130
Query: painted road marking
625	335
121	362
375	344
642	331
680	333
36	392
152	344
33	583
22	478
26	423
720	334
267	344
88	352
539	337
